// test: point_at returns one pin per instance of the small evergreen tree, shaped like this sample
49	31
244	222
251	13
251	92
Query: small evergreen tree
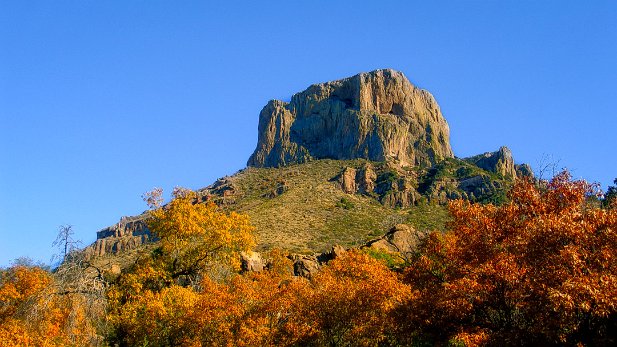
610	198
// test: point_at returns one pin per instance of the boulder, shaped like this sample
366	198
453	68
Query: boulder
115	269
305	266
337	251
251	262
402	239
308	265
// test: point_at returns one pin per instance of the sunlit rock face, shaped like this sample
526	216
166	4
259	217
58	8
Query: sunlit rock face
377	115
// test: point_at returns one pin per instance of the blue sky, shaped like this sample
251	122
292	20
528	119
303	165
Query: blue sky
101	101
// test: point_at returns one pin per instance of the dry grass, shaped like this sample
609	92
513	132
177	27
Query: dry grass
302	209
309	216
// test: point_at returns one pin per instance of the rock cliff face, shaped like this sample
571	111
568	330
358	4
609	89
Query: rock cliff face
129	233
501	162
377	116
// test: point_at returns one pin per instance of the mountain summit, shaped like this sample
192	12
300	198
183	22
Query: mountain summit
379	116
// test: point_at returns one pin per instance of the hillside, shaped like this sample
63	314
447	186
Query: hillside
342	163
303	208
307	208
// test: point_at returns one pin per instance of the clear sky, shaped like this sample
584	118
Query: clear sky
101	101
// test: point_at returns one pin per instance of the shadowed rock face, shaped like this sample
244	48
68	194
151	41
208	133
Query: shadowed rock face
378	116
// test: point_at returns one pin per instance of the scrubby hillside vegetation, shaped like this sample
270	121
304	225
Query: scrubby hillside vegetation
309	207
538	269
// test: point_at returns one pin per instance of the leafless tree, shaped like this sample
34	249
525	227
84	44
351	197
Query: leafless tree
548	167
66	242
78	280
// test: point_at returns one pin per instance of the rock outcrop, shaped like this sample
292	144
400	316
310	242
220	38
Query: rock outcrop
129	233
523	170
347	180
502	163
360	180
377	116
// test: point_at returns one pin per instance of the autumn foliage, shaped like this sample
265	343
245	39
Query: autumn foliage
537	270
351	302
194	236
34	312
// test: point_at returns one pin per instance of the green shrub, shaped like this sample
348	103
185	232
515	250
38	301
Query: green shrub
345	203
389	259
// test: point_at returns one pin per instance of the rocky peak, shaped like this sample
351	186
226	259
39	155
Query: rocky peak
500	162
379	116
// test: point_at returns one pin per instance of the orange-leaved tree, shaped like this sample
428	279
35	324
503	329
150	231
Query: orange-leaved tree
253	309
246	310
351	301
34	312
540	269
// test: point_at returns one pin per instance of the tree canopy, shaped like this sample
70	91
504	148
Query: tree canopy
537	270
540	269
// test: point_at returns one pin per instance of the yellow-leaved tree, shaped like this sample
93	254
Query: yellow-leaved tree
196	236
195	239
